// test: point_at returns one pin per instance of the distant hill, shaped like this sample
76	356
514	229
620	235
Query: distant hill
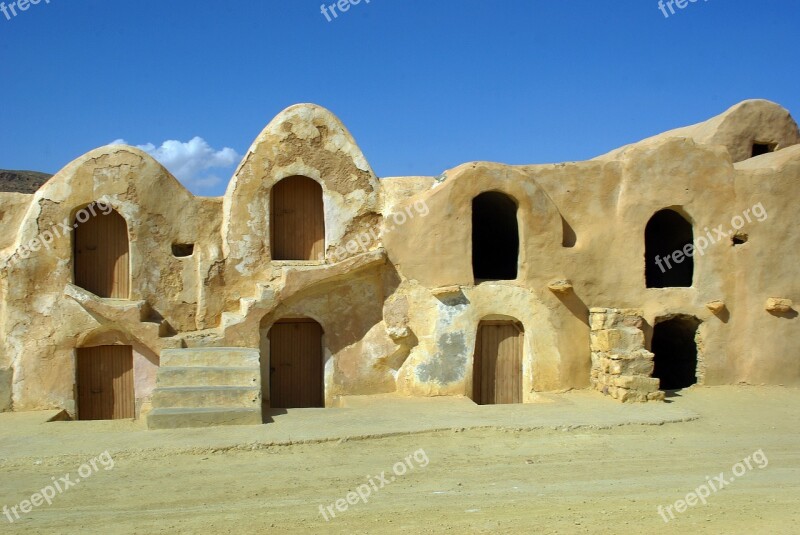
22	181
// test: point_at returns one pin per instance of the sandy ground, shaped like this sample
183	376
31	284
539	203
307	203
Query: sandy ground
570	479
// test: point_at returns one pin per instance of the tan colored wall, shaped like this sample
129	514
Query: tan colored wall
762	346
400	312
348	310
608	202
42	326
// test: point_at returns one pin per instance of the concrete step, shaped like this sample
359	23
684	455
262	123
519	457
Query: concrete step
245	304
206	386
211	356
174	418
196	397
208	376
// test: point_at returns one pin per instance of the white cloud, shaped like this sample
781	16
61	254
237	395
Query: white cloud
191	161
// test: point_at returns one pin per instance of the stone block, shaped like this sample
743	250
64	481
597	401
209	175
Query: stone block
617	340
635	322
603	340
631	365
638	367
779	305
635	382
633	396
603	318
597	320
560	286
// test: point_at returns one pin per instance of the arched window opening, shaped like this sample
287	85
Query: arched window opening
495	237
101	256
297	221
669	253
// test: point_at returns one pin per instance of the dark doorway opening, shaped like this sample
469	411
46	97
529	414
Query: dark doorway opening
667	265
675	348
495	237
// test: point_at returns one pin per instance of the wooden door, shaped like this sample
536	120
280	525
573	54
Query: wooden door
101	255
297	224
296	371
104	377
497	365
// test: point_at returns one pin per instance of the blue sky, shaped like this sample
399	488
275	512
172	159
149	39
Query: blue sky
423	85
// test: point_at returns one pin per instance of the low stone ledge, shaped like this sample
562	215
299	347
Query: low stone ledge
561	287
779	305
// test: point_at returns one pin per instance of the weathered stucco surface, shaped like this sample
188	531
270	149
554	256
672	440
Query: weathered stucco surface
400	310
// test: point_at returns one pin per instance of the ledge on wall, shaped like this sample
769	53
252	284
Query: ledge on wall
131	317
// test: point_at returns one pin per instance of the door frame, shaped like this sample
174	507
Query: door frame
266	358
123	290
475	389
273	219
129	406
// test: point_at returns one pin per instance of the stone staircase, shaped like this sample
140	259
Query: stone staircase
201	387
263	293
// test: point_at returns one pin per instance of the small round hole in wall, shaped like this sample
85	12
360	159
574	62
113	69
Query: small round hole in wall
740	238
182	250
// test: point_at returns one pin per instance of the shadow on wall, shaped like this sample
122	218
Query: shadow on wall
789	314
569	238
575	305
6	377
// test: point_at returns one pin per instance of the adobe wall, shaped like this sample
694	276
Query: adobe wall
606	204
400	310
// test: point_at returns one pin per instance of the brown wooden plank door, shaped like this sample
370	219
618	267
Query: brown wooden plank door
104	377
297	223
101	255
497	364
296	371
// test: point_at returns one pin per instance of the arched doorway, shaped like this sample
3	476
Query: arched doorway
675	348
101	255
667	265
297	221
495	237
296	368
497	363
